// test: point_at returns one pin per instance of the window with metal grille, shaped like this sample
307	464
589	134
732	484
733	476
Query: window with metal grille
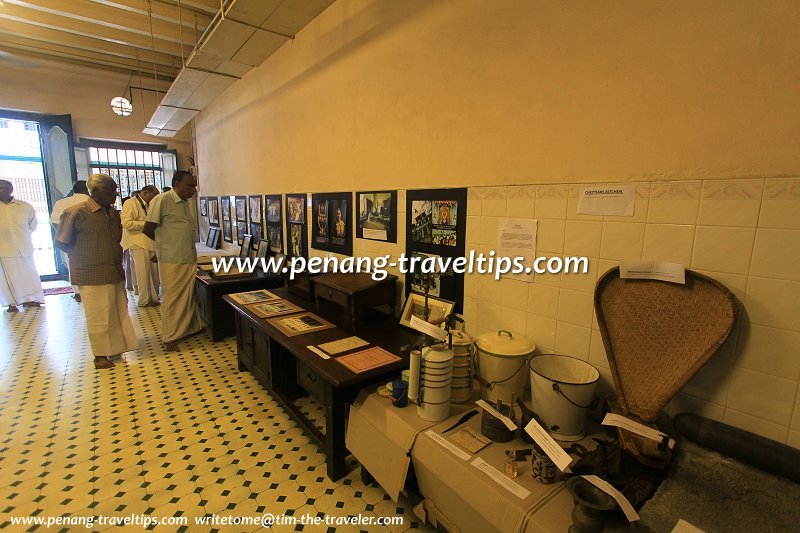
131	166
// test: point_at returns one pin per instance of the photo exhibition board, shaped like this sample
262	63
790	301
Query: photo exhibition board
296	219
256	218
436	223
273	212
203	206
227	223
332	222
377	215
212	204
240	212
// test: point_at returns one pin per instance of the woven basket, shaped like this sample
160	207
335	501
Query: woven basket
658	335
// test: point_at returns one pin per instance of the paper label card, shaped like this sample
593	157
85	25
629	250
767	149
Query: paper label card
511	486
441	441
428	329
635	427
672	272
612	200
555	452
622	501
497	414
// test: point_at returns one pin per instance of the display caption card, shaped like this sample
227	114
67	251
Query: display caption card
443	442
635	427
343	345
503	480
672	272
611	200
470	440
318	352
622	501
555	452
427	328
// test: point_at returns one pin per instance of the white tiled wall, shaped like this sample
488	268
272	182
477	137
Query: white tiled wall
742	232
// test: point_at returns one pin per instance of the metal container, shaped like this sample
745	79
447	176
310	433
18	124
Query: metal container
502	358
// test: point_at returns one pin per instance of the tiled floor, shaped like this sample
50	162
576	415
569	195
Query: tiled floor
160	434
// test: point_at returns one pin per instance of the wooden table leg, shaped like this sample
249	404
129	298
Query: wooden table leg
335	449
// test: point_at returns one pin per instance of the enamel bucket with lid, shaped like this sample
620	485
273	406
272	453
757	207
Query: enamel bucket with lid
502	358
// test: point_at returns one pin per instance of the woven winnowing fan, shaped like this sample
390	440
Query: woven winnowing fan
658	335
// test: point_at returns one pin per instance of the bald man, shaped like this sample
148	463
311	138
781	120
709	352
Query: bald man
19	280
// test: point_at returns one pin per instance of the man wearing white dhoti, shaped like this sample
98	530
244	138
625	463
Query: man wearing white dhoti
140	247
91	233
79	195
19	281
172	223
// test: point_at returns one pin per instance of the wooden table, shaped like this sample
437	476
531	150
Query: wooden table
215	313
355	292
289	370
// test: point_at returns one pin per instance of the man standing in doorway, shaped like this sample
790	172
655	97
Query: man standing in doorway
141	248
90	233
79	195
19	281
172	223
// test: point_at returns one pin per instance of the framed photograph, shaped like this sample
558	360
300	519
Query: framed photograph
438	309
212	240
240	205
255	208
227	231
436	224
225	203
298	245
213	211
274	308
377	216
203	207
251	297
244	251
263	248
241	230
331	222
272	207
275	237
255	231
300	324
296	208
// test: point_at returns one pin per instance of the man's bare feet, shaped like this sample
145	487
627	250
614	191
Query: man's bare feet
31	304
102	362
171	347
12	309
77	297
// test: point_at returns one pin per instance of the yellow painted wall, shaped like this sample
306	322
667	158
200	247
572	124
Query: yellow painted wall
39	86
420	93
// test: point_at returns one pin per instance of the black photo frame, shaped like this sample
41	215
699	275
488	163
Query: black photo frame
254	208
212	240
240	208
203	207
227	231
296	232
332	222
436	222
244	251
273	215
377	215
213	211
255	232
263	249
241	230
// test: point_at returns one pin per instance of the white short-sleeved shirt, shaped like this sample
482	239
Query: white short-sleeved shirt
61	205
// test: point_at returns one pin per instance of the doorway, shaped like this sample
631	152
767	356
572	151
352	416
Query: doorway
21	163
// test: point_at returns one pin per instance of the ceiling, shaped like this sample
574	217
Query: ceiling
201	47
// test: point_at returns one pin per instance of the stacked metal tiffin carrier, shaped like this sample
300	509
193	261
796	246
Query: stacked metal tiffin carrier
463	351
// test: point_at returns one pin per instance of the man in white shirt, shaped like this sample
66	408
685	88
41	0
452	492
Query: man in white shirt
19	281
140	247
79	195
